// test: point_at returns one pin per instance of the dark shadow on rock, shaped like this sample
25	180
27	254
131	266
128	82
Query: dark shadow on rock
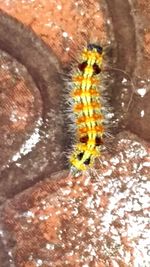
47	156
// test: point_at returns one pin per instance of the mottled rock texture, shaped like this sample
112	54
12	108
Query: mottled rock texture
99	219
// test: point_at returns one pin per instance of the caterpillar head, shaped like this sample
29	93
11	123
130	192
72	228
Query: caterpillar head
95	47
92	56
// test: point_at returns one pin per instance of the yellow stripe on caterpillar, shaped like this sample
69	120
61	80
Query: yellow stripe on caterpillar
90	81
90	148
91	93
87	119
98	129
86	107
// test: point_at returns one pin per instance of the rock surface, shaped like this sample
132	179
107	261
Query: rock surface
99	219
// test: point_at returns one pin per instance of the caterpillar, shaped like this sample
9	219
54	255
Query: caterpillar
87	108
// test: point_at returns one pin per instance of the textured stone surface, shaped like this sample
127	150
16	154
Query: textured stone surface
31	115
113	199
100	219
62	24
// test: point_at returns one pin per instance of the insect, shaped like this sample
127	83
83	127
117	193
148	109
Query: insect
87	108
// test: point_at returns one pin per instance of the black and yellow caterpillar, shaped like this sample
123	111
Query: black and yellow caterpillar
87	108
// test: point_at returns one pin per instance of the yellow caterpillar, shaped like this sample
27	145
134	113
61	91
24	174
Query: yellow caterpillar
87	108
